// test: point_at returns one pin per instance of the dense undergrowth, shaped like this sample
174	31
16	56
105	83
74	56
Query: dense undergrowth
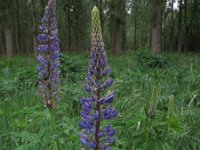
144	83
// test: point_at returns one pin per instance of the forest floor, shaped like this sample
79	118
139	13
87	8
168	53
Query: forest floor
141	81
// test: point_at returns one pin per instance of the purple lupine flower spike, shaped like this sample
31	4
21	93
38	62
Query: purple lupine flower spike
48	58
98	107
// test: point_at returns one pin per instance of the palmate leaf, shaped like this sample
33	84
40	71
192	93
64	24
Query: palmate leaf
33	141
43	131
159	144
30	146
26	136
40	116
20	123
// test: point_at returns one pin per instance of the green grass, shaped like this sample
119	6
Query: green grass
25	124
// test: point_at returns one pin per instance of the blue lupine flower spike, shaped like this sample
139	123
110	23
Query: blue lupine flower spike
48	58
98	107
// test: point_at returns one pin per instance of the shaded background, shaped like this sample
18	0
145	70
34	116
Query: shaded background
127	24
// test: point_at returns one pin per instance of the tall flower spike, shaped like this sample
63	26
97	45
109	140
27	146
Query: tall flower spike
98	107
48	58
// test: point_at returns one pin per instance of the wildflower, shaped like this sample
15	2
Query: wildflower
98	107
48	58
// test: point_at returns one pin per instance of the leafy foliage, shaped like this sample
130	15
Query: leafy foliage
25	123
72	67
151	60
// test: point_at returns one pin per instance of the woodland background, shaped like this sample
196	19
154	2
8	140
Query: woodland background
127	25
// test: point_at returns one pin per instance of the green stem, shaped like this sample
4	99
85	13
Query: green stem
53	128
147	134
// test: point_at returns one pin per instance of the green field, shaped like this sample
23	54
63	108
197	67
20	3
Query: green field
143	82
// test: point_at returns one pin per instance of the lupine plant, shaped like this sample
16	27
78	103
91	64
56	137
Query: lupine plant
48	58
96	109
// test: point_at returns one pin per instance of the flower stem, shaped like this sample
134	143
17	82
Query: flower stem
53	127
98	109
147	134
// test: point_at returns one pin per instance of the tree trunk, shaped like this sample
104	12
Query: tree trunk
7	30
17	29
8	37
117	26
180	35
1	43
172	26
186	26
150	35
34	28
69	29
135	32
156	27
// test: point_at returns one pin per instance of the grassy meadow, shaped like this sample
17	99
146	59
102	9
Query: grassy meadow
158	99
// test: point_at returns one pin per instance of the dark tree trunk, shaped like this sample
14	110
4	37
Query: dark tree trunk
150	35
8	37
135	32
172	26
156	27
69	29
117	26
186	26
34	28
1	41
16	28
8	31
180	35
